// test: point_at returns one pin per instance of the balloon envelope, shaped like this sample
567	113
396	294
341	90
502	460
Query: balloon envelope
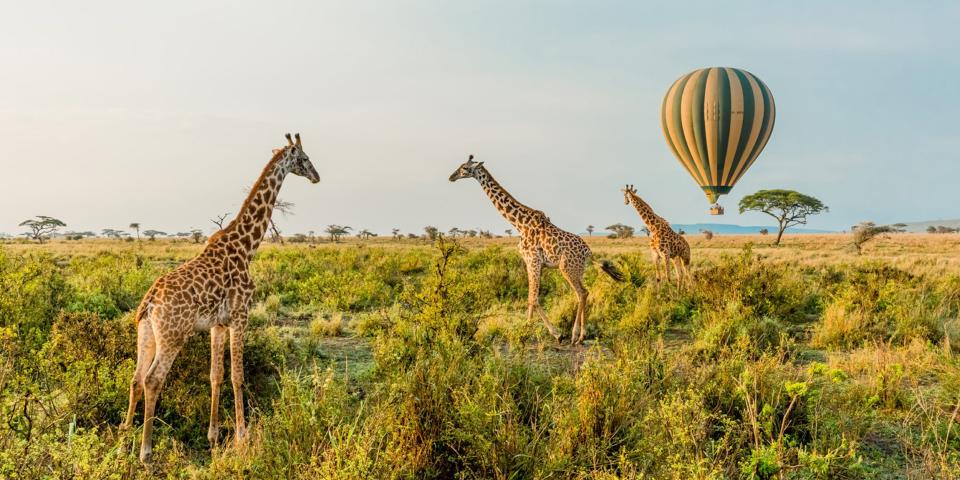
716	122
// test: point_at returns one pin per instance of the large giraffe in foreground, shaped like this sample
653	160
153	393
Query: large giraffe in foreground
542	244
665	244
211	292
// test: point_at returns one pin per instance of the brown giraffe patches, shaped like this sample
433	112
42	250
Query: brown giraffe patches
210	292
542	244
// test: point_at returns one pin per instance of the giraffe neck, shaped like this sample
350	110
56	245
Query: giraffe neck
250	224
653	221
518	214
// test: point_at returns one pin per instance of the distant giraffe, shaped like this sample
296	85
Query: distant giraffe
665	244
211	292
542	244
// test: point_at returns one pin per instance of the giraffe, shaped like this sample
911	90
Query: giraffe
542	244
665	244
210	292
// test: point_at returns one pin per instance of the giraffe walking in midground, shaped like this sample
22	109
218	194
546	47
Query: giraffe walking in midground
542	244
666	245
210	292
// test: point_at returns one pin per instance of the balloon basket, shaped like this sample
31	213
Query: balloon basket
716	209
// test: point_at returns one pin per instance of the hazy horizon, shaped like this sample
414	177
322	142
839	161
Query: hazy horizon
163	114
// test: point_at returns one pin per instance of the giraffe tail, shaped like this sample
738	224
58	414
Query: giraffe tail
610	269
144	306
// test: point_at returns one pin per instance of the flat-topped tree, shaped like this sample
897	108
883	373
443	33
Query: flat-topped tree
337	231
620	230
153	234
136	227
788	207
42	227
866	231
113	233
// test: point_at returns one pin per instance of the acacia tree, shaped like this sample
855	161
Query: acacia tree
112	233
431	232
867	231
337	231
284	208
365	234
620	230
788	207
590	230
396	233
219	220
153	234
136	227
509	232
42	227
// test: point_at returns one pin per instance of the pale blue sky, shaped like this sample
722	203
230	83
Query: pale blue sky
163	113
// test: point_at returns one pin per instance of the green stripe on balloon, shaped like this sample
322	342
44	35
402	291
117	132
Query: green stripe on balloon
723	123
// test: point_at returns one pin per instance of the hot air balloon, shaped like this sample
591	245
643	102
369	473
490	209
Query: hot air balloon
716	122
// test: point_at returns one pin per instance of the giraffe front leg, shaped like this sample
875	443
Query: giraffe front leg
534	267
218	341
236	376
655	257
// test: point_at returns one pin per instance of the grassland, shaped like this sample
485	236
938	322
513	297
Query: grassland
379	359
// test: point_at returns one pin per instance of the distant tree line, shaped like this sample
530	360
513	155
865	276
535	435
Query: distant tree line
942	229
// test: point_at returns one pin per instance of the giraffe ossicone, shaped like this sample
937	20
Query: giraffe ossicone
210	292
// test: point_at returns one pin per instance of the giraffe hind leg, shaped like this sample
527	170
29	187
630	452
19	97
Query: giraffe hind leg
533	297
575	279
152	383
146	349
680	272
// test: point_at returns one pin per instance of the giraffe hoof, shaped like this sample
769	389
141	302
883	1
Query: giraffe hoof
146	457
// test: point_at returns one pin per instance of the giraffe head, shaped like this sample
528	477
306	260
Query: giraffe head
296	160
628	193
467	170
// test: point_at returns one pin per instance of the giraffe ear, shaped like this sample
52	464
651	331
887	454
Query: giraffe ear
277	150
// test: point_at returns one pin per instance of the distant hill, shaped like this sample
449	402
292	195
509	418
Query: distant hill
728	229
922	226
725	228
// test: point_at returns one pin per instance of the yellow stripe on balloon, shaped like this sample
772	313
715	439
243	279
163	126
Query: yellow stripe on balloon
686	118
736	124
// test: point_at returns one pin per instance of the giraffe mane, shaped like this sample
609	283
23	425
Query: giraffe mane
255	189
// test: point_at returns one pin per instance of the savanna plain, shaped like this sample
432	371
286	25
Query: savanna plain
408	358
